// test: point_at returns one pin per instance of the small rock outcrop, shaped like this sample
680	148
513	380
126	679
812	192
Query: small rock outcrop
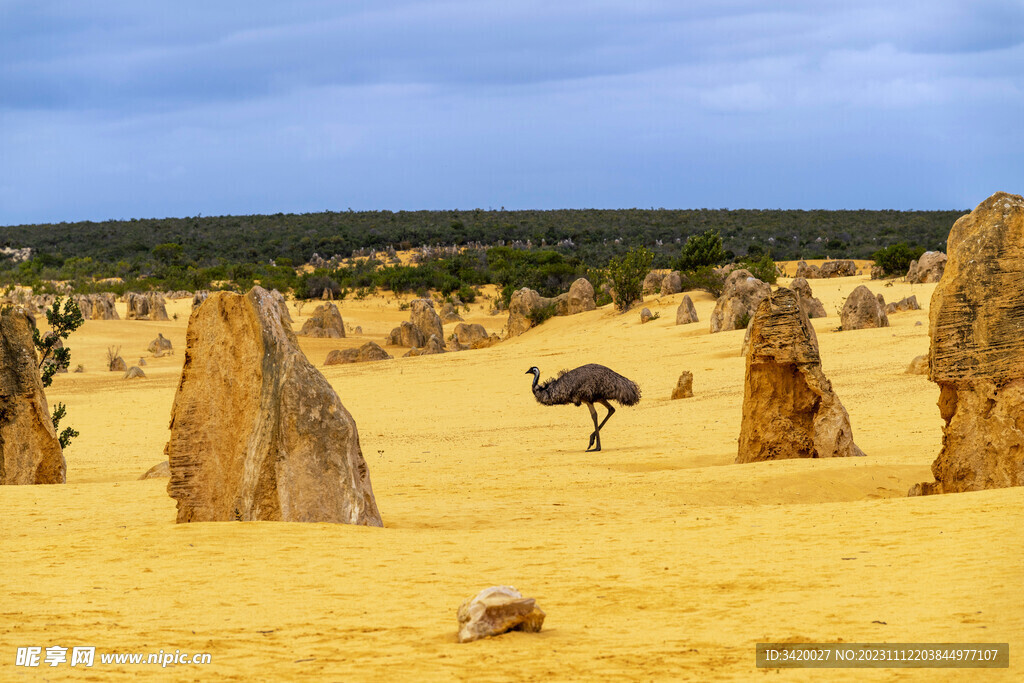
425	319
117	364
433	345
686	313
30	452
98	306
449	314
652	282
200	296
684	387
370	351
146	306
907	303
160	345
406	335
326	322
928	268
805	271
742	293
134	372
976	354
257	433
863	310
812	306
837	268
918	366
646	316
524	302
465	334
672	283
789	407
497	610
159	471
581	297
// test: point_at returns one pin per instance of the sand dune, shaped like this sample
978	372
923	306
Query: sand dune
655	559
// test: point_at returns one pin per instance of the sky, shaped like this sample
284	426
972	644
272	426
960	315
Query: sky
115	109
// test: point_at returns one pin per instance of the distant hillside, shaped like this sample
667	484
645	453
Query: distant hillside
590	235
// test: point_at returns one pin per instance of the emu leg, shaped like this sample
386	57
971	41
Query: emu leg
595	434
611	411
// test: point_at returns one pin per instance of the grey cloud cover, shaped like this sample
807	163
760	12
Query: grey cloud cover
122	109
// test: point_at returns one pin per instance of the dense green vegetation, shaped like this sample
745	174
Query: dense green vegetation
544	250
895	259
596	235
627	274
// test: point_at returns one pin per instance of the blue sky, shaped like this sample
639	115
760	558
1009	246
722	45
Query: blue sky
118	109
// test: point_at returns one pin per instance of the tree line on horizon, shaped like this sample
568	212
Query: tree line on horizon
545	250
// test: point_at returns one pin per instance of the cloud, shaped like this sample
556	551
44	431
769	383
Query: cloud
126	108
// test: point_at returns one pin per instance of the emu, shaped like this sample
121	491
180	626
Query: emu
590	384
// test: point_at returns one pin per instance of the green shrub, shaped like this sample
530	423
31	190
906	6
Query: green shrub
702	250
627	276
762	268
895	259
62	323
467	294
704	279
539	315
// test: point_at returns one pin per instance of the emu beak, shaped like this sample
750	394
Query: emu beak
527	372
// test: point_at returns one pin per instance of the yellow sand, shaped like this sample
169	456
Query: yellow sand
655	559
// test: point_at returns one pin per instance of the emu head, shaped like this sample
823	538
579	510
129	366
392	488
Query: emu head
534	371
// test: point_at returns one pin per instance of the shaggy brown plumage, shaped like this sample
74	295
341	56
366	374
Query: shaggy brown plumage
587	384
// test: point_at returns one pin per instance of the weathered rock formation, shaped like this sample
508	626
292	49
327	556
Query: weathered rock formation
581	297
497	610
812	306
652	282
686	313
117	364
407	335
200	296
432	346
976	355
98	306
672	283
370	351
325	322
684	387
30	452
837	268
918	366
524	302
789	407
928	268
863	310
146	306
465	334
741	295
134	372
449	314
646	316
805	271
257	433
907	303
161	470
159	345
425	319
282	303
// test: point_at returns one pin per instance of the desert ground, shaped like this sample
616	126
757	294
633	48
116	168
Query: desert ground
657	558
